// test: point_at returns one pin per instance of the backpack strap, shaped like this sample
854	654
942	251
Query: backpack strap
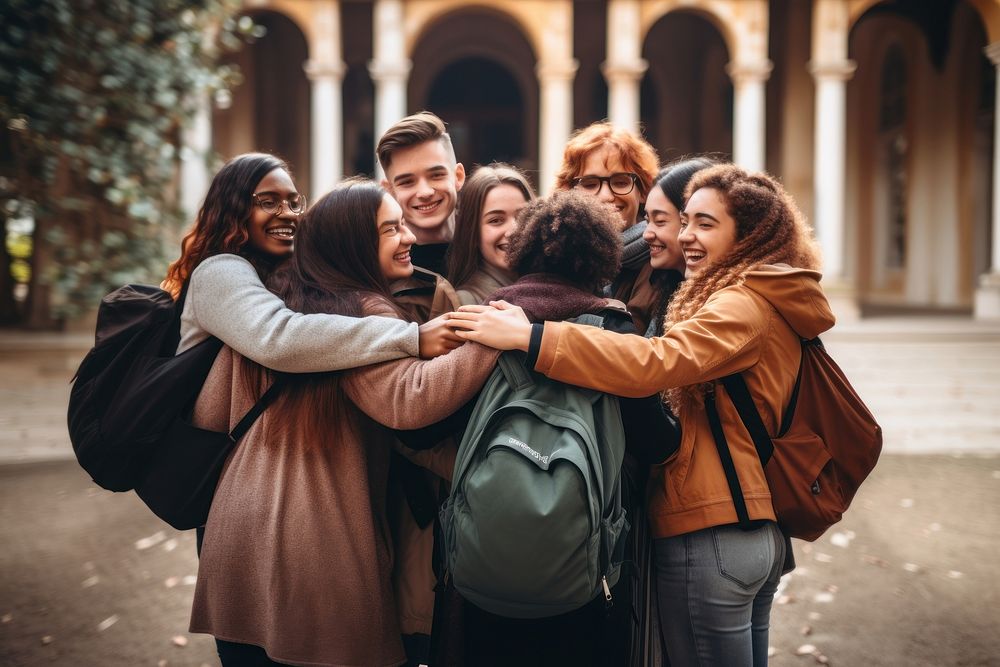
512	365
251	416
740	395
726	457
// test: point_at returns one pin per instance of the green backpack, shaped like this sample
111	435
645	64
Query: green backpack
534	526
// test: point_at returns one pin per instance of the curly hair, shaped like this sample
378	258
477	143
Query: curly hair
770	229
463	253
635	154
221	225
568	234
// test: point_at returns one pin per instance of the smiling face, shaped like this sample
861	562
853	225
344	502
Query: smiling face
661	232
708	232
273	233
496	222
394	241
425	180
604	162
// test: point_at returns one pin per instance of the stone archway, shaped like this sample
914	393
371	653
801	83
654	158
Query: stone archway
475	69
269	111
915	165
686	96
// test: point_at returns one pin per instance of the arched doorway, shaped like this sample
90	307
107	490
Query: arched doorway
686	96
269	110
919	170
475	69
483	106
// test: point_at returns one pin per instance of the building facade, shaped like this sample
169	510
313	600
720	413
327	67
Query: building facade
878	115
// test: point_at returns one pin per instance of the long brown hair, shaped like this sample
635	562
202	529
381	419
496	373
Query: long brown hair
463	253
335	269
221	225
770	229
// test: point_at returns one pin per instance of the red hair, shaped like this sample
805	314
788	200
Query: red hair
634	153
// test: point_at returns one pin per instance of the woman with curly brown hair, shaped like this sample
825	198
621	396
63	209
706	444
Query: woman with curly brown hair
618	168
487	210
565	249
752	292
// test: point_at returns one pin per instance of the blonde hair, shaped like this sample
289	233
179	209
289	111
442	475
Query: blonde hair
770	229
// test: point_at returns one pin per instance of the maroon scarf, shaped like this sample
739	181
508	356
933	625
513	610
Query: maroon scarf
546	296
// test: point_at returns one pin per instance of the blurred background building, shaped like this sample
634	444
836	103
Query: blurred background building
878	115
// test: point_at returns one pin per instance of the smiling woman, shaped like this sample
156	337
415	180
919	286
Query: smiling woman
487	214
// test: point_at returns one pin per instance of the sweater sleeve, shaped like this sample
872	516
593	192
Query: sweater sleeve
412	393
227	299
723	337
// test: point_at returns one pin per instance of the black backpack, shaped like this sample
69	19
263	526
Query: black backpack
130	401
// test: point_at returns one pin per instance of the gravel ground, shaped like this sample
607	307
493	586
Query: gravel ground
88	577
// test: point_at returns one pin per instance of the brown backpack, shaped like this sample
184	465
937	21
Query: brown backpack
826	446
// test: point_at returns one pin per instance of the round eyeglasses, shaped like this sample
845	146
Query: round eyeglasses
620	183
271	203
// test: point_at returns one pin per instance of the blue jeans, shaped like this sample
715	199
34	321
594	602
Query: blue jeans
715	588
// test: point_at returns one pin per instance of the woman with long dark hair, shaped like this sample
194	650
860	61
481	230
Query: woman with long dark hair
296	562
752	293
487	210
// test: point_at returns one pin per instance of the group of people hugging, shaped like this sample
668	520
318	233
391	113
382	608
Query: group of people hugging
383	306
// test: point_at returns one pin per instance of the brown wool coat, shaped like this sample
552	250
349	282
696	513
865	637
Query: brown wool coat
296	556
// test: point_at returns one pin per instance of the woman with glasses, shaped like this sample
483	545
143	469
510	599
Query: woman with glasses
244	230
618	168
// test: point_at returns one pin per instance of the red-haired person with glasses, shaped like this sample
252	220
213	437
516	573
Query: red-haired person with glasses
618	168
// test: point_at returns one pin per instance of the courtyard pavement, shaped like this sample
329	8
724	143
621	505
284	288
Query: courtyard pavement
88	577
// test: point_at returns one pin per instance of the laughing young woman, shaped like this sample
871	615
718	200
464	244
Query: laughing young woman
487	210
296	562
752	291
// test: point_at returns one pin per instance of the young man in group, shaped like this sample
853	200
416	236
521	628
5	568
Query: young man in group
424	177
422	174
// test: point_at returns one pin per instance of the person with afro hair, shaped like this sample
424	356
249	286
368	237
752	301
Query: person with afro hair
751	295
565	249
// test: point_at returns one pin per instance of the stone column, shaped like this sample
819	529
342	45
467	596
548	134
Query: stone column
555	80
327	145
748	112
987	305
624	66
390	68
831	70
196	146
830	145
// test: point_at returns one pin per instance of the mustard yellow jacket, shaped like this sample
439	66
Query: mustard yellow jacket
753	328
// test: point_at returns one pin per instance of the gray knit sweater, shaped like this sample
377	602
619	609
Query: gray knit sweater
227	299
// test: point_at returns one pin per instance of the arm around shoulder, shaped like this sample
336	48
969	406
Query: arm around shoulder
228	300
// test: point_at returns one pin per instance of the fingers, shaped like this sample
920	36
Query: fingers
476	308
502	305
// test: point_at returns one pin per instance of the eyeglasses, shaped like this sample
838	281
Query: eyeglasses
271	203
621	183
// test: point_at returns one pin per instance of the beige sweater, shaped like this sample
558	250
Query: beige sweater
296	556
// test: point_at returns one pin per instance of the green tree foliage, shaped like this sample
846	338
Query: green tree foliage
93	97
